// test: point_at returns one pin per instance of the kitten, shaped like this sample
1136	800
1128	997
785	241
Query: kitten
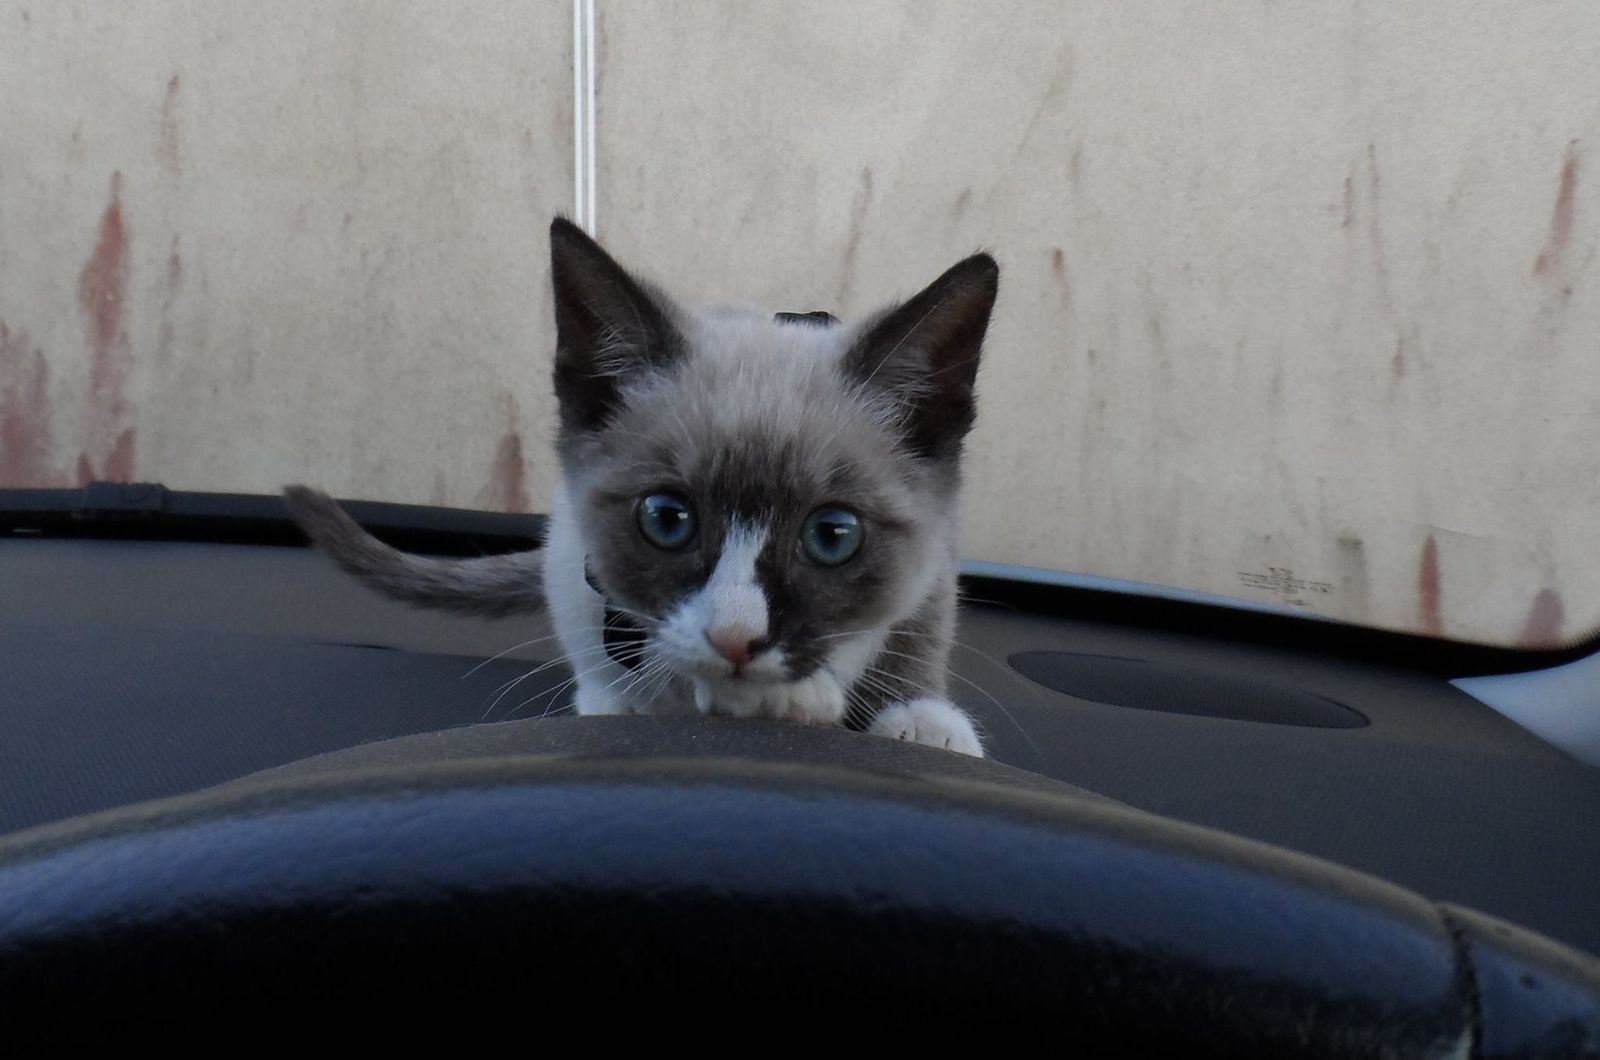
756	516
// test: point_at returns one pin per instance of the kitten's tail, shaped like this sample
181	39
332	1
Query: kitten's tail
490	586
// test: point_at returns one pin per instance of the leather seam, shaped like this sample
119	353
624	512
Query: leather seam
1469	973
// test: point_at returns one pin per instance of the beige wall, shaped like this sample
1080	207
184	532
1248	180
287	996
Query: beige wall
1288	287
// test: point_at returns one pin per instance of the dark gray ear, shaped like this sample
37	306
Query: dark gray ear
924	355
608	326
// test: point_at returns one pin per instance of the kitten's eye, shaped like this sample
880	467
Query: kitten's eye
831	536
666	521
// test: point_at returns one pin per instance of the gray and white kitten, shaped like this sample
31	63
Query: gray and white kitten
755	516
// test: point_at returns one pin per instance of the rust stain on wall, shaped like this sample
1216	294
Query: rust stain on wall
1561	217
1552	267
167	143
102	292
167	333
1428	621
858	218
1545	619
1058	269
119	462
103	283
508	489
1380	257
24	414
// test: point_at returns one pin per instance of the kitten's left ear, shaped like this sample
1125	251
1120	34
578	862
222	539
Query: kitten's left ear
609	325
924	355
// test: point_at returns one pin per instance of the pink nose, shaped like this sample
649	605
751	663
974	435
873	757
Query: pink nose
734	644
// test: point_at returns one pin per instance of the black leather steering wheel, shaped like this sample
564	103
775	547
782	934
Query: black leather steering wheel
675	878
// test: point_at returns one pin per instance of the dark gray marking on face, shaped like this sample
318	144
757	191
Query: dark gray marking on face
776	487
623	638
621	635
816	318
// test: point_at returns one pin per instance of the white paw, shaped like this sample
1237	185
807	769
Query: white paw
935	722
733	699
593	699
814	700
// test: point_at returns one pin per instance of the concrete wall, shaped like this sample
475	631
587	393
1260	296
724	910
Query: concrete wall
1299	303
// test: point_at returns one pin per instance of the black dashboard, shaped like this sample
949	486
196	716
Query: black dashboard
138	669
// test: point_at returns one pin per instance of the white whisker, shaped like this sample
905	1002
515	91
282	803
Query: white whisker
508	651
587	653
601	629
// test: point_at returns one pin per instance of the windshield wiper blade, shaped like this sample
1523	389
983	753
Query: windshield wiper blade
151	511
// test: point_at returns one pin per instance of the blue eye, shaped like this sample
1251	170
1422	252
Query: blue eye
666	521
831	536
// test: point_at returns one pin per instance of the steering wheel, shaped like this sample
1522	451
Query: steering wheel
684	878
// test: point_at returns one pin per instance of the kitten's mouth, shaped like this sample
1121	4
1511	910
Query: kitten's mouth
746	677
746	682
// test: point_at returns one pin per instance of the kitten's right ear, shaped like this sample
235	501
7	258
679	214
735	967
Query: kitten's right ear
924	355
608	325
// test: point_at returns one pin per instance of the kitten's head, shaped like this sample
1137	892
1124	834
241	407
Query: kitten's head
763	495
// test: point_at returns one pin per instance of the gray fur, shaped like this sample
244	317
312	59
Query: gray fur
758	422
491	586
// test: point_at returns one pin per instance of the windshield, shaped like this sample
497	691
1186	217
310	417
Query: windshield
1297	303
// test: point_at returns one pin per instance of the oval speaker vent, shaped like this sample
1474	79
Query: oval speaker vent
1171	689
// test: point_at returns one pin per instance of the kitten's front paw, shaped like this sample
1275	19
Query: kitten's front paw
934	722
590	700
814	700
